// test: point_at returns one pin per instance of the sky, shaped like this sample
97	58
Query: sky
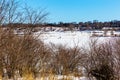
78	10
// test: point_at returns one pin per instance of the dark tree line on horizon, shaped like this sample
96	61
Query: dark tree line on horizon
89	25
95	24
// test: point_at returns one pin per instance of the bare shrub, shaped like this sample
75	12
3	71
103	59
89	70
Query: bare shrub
116	47
9	51
66	60
100	61
38	57
22	53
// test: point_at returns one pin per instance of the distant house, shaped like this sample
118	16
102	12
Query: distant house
111	28
110	31
107	32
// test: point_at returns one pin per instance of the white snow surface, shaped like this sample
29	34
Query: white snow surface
66	38
71	39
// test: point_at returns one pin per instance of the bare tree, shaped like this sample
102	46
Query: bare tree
19	53
9	12
34	16
3	9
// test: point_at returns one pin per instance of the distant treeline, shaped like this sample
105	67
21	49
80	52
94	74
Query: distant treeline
90	25
95	24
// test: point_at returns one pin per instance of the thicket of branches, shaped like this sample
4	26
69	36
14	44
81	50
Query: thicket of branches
22	55
102	61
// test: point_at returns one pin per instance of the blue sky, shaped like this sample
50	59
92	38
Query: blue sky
79	10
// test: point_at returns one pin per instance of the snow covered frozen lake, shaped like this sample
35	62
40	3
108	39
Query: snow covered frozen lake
71	39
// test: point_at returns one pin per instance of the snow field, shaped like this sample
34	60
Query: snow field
71	39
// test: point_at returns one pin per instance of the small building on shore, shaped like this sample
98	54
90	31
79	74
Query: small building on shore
107	32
